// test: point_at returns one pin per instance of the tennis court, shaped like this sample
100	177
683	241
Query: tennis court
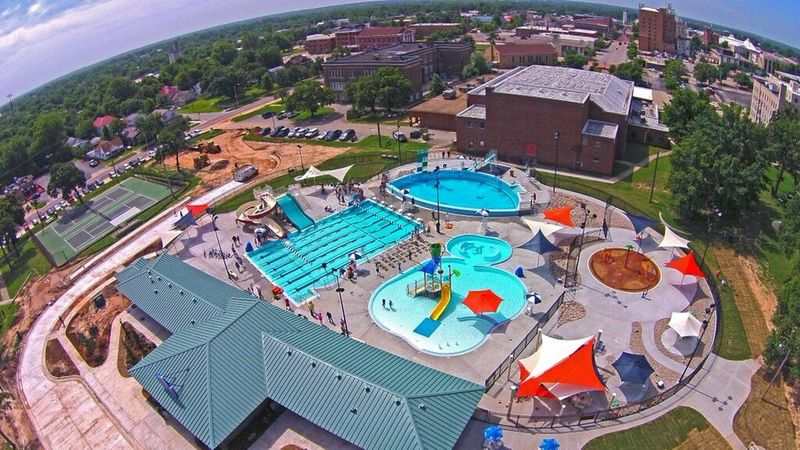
83	225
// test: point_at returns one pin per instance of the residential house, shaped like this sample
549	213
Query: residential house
107	149
102	122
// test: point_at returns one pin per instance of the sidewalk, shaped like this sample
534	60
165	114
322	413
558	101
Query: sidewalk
67	413
608	180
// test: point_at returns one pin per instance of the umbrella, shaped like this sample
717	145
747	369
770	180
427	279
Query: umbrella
539	244
633	368
277	290
482	301
687	266
493	433
685	324
197	210
549	444
561	215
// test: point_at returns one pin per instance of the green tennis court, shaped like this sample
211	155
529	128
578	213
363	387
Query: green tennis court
85	224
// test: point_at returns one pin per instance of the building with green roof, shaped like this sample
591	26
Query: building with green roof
217	370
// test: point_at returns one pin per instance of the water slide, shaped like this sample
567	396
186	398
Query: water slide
444	300
294	212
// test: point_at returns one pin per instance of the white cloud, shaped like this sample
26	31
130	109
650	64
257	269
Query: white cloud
36	9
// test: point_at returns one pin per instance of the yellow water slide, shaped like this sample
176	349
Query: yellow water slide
444	300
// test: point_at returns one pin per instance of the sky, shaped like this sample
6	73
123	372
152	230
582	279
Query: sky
41	40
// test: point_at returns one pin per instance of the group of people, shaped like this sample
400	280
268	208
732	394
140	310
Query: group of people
345	190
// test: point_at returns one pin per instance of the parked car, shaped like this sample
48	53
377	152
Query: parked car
415	134
281	115
50	211
120	170
152	153
399	136
348	135
311	133
93	163
267	114
284	132
292	114
100	182
265	131
294	132
63	204
326	136
276	131
112	174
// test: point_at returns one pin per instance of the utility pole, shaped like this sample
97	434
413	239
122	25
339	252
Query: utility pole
555	167
655	171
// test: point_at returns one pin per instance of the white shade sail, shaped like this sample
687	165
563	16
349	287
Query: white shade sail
672	240
546	227
551	352
168	236
313	172
685	324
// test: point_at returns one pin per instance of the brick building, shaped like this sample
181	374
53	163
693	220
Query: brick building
416	60
522	53
657	30
346	37
773	94
600	24
709	37
422	30
379	37
320	44
518	113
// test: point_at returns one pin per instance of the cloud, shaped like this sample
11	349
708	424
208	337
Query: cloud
36	9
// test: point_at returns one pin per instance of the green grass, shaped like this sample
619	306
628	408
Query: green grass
203	105
635	152
384	120
665	433
322	112
30	262
7	314
255	91
210	134
481	47
272	107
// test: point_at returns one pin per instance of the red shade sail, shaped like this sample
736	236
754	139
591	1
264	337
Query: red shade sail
687	266
196	210
560	215
482	301
559	368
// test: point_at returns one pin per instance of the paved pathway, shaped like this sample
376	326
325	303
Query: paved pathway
633	167
67	413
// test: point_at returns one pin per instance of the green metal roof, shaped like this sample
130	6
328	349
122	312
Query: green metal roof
198	297
225	366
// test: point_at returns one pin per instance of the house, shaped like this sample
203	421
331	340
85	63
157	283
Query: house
130	119
102	121
77	143
107	149
274	71
166	115
297	60
178	97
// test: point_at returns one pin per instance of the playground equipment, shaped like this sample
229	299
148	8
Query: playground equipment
488	159
432	285
256	213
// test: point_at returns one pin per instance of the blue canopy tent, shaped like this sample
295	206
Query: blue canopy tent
633	368
549	444
493	434
430	266
539	244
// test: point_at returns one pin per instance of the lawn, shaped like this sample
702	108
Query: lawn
635	152
766	422
402	118
7	314
322	112
203	105
31	262
680	428
272	107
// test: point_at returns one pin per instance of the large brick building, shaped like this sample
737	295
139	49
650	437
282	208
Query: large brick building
518	114
602	24
379	37
417	61
346	37
522	53
319	44
773	94
422	30
657	30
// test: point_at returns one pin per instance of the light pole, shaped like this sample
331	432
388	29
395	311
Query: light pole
219	244
339	289
555	166
708	241
780	368
586	213
655	171
300	150
236	93
438	206
709	312
513	391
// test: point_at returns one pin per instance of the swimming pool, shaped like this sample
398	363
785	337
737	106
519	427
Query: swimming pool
478	249
460	192
295	263
460	330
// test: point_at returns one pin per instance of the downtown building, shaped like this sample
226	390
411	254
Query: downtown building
773	94
519	113
658	30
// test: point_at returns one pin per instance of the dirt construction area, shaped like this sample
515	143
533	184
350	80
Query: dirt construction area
267	157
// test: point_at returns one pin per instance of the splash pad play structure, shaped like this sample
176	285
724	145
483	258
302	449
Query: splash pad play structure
624	269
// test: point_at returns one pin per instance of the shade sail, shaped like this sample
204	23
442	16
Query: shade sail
184	222
168	236
685	324
430	266
197	210
633	368
483	301
546	228
687	266
639	223
313	172
539	244
671	239
559	369
561	215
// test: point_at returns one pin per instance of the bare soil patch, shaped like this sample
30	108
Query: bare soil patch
766	422
59	364
90	328
136	347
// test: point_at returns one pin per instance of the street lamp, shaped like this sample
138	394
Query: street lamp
438	206
557	136
513	391
339	289
300	150
219	245
780	368
655	171
236	94
586	213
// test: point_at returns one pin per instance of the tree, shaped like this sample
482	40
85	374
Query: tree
340	51
786	336
11	217
173	138
720	163
49	139
743	80
631	70
601	43
116	127
467	39
309	96
685	107
725	69
250	41
387	87
269	56
575	60
150	125
437	85
790	228
477	66
784	145
633	51
84	129
705	72
224	52
65	177
121	88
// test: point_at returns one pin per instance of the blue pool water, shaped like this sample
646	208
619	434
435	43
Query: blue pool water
295	263
478	249
459	330
460	192
294	212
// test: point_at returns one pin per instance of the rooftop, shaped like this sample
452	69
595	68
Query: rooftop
395	53
608	92
381	31
474	112
602	129
525	48
319	37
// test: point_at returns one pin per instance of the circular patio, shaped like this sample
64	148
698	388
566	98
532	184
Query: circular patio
624	269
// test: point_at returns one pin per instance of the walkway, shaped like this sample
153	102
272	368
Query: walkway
67	413
609	180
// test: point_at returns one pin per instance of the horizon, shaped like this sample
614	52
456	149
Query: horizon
130	25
